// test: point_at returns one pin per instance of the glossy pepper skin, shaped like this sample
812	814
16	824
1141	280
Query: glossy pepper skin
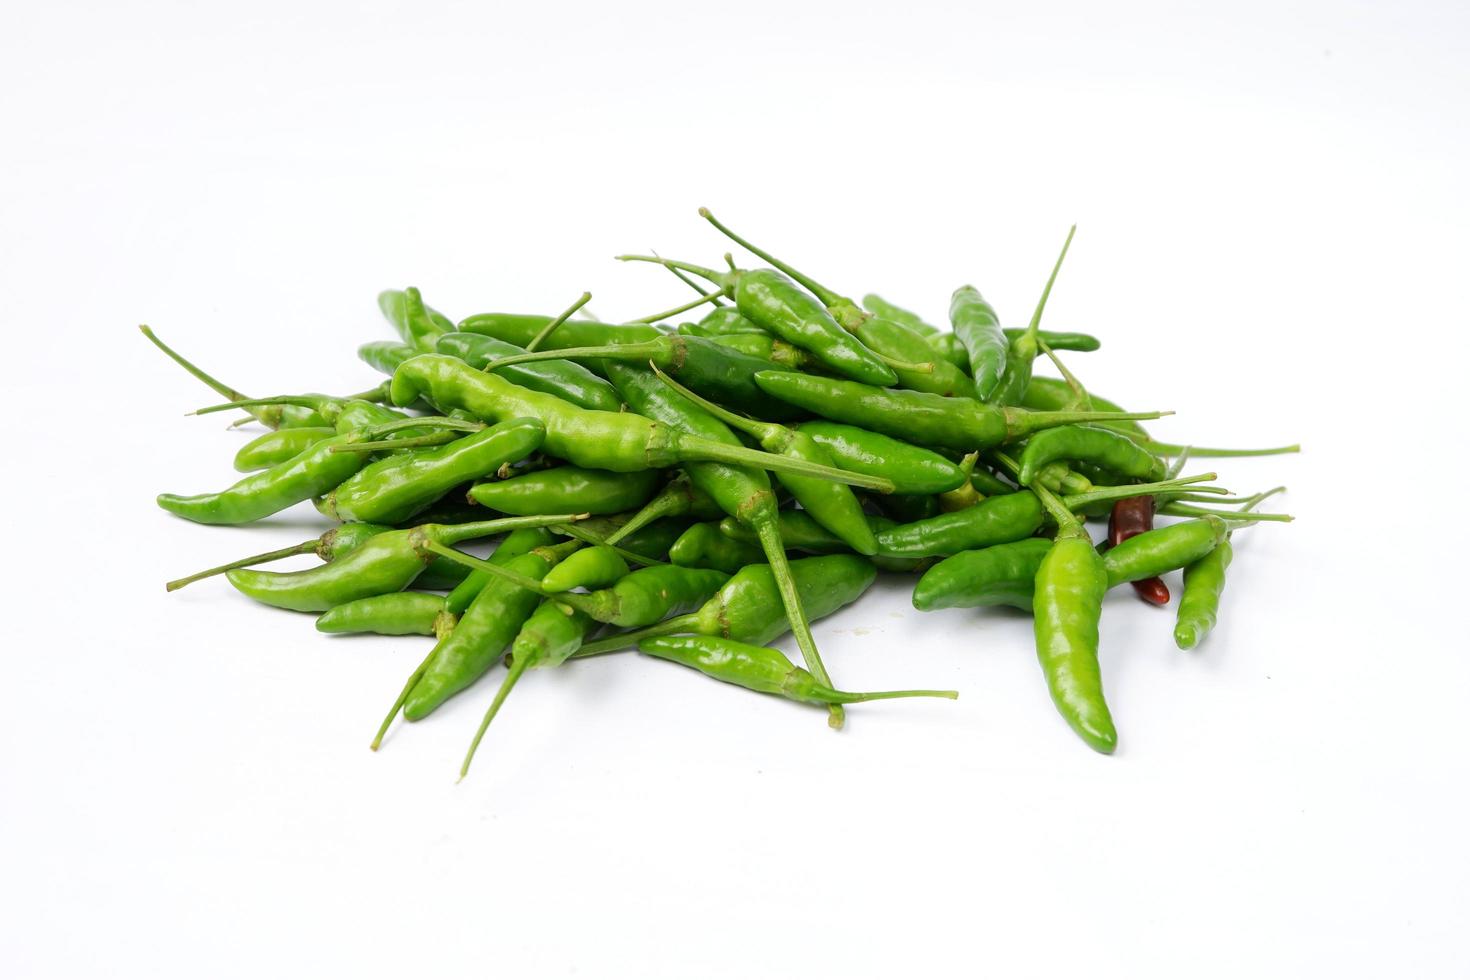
760	669
1163	549
995	520
621	442
1199	603
1090	444
929	420
977	327
768	348
489	624
590	568
396	614
877	304
1001	575
749	607
1129	518
801	533
394	488
417	324
309	474
564	489
565	379
703	546
1067	604
386	562
520	329
912	469
278	446
1053	394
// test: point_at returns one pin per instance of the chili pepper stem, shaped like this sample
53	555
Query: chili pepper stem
688	623
916	367
648	347
566	315
387	445
687	281
572	531
517	668
455	533
1175	449
224	390
408	687
824	295
719	452
304	548
769	533
1033	328
1075	501
752	427
664	315
704	272
848	697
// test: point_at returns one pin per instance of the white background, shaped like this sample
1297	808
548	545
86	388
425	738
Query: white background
1272	242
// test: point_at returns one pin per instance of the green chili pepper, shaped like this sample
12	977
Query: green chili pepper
566	488
778	352
1001	575
621	442
278	446
801	533
761	669
904	350
565	379
417	324
947	347
913	470
832	505
385	355
716	370
395	614
388	562
589	568
776	304
393	489
486	627
329	546
906	508
749	607
718	321
742	492
703	546
1024	348
1067	604
880	306
977	327
271	416
638	599
1204	583
964	495
1163	549
1089	444
919	417
520	329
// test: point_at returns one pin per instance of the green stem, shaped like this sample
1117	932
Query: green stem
687	281
1183	510
640	350
1059	512
304	548
517	668
704	272
824	295
1033	328
222	389
1080	398
703	299
545	331
719	452
769	533
1174	449
688	623
586	536
667	502
848	697
455	533
915	367
413	680
422	422
305	401
761	431
387	445
1076	501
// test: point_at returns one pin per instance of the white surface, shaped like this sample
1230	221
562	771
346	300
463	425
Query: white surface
1272	218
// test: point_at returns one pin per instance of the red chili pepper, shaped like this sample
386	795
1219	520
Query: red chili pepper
1130	517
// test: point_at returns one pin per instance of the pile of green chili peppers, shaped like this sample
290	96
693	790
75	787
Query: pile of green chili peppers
696	491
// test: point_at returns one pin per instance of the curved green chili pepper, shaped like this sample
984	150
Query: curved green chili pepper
590	568
1089	444
520	329
742	492
916	416
762	345
638	599
716	370
565	379
620	442
749	607
703	546
417	324
388	562
913	470
568	488
395	614
278	446
393	489
1001	575
977	327
329	546
1067	604
1163	549
832	505
719	321
776	304
761	669
801	533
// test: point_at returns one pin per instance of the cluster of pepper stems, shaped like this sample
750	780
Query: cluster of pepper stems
629	467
